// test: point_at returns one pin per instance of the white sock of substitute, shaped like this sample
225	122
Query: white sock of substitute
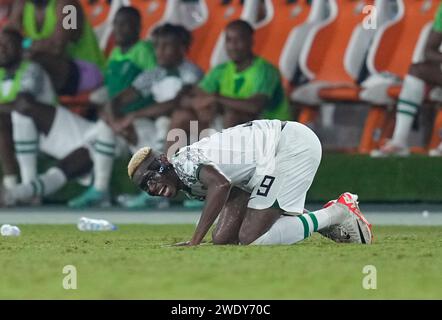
26	146
104	153
292	229
10	181
410	99
48	183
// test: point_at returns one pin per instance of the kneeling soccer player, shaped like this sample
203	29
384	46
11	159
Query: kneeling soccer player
255	177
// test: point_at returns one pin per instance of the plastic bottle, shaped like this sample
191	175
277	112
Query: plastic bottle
7	230
87	224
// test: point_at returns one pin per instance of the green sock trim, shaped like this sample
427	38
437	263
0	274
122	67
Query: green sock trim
409	103
305	223
315	221
106	153
104	144
407	113
25	151
26	142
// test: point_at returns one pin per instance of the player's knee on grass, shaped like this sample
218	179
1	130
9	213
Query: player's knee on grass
256	223
222	237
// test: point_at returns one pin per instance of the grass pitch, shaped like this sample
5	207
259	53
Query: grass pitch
132	263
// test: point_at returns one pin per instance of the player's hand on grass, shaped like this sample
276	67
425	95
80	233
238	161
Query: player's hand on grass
182	244
186	244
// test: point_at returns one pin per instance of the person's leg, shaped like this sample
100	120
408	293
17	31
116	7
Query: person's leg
104	154
74	165
231	217
103	159
28	120
26	138
411	98
7	157
271	227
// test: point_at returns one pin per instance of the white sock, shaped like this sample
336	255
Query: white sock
44	185
104	153
292	229
410	99
26	146
10	181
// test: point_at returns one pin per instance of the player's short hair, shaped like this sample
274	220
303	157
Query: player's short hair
131	12
243	26
137	159
180	33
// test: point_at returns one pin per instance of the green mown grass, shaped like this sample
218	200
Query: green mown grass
133	263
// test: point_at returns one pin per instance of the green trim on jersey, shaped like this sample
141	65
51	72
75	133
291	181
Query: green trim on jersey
16	83
86	48
123	68
261	77
437	25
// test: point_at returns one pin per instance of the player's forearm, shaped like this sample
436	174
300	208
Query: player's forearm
6	108
125	98
251	106
215	200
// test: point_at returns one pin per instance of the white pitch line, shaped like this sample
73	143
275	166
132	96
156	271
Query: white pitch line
63	216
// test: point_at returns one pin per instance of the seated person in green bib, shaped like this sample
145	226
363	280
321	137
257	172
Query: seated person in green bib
139	115
245	88
71	56
28	99
128	59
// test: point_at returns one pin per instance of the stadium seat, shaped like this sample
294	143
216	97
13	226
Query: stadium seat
333	57
291	51
395	47
284	15
97	11
217	14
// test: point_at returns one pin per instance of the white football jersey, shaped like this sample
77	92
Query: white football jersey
34	81
239	154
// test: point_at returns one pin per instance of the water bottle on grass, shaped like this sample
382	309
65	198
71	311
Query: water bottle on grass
87	224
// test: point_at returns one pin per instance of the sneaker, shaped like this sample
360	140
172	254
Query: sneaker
437	152
91	198
142	200
354	227
390	149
